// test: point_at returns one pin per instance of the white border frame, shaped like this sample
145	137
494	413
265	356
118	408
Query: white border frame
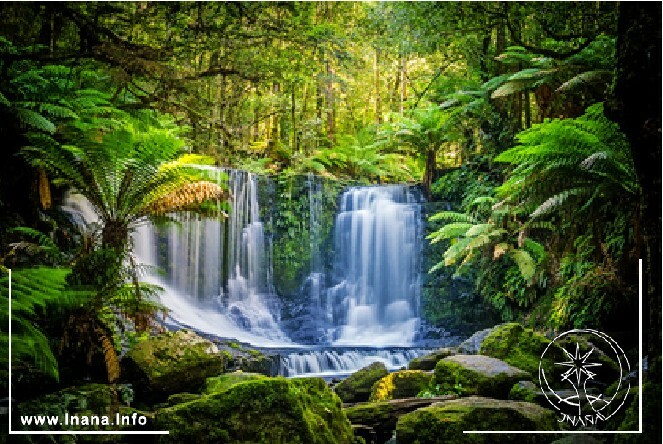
58	432
605	432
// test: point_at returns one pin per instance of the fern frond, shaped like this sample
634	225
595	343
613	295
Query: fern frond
451	216
526	264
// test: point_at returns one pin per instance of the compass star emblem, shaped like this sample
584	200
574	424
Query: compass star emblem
588	361
578	366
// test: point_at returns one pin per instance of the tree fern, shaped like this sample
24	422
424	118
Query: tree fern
36	293
584	162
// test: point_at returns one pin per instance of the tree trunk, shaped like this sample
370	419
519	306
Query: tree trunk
429	173
293	117
115	234
403	83
637	109
376	86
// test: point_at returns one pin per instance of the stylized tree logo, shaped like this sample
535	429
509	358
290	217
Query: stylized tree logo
578	368
588	370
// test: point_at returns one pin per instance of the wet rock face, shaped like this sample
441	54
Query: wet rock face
445	422
478	375
357	387
262	410
170	363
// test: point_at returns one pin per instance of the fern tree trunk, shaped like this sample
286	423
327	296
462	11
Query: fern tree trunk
429	173
115	234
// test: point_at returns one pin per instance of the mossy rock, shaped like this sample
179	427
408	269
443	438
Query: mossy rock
269	410
223	382
445	422
172	363
257	362
518	346
526	391
428	362
478	375
357	387
401	384
472	345
376	421
180	398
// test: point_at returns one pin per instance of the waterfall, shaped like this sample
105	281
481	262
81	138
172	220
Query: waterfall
217	269
344	362
375	301
316	278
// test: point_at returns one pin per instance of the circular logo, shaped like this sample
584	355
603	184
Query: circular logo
583	374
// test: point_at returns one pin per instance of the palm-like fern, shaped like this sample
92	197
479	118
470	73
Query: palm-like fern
128	174
591	68
472	239
578	163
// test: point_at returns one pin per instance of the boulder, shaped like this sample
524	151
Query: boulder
265	410
427	362
477	375
376	421
171	363
472	345
240	356
444	422
400	384
357	386
221	383
518	346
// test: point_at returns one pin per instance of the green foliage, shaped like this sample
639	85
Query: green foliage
40	248
589	69
566	175
579	163
36	294
434	390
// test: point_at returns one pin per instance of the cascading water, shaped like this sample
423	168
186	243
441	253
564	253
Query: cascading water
345	361
218	270
376	299
216	273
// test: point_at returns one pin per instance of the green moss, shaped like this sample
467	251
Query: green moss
523	391
255	353
223	382
357	387
477	375
401	384
520	347
268	410
180	398
172	363
445	422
